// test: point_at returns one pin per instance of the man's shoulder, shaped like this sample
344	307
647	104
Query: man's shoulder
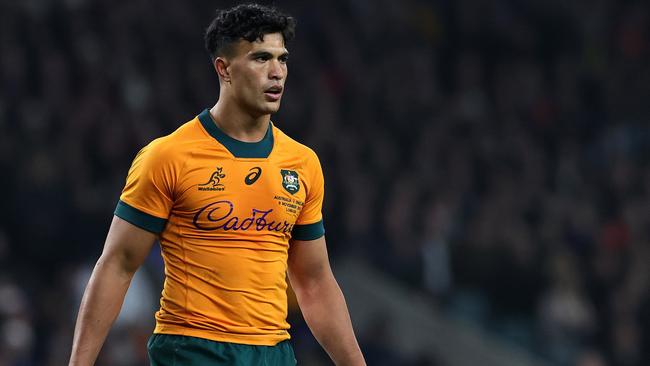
181	140
289	144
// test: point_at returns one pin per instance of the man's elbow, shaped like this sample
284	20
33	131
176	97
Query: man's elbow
117	263
314	286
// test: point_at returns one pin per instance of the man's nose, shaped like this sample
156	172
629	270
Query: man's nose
276	70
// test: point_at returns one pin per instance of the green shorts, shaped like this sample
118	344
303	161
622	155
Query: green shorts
175	350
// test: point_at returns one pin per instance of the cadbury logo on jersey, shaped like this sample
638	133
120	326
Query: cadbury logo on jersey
214	183
218	215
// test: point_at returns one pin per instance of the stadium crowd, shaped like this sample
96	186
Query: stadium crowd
493	154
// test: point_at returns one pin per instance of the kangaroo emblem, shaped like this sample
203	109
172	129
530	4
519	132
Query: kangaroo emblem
215	178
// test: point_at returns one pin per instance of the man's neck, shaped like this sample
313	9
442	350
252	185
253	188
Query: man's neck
236	123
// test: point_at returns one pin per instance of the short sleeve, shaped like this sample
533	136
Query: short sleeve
309	225
146	200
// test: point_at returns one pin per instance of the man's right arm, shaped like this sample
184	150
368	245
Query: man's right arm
125	249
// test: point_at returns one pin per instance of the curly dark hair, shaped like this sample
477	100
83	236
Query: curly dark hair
246	21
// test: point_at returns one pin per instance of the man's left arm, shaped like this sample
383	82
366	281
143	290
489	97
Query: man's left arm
321	301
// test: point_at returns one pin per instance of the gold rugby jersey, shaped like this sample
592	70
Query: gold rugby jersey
225	211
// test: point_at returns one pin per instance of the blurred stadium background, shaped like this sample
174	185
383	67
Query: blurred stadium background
487	167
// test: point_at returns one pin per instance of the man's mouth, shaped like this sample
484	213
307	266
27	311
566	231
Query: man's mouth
273	93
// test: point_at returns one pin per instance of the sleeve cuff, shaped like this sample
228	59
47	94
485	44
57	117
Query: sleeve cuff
309	231
140	219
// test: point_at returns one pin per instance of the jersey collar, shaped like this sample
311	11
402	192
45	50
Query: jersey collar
240	149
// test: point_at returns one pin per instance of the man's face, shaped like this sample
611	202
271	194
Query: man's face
257	72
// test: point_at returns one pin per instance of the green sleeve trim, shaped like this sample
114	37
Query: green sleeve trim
309	231
140	219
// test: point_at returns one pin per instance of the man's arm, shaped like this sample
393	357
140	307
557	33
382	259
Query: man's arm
125	249
321	301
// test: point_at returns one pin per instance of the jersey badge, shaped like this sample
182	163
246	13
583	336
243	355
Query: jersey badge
290	181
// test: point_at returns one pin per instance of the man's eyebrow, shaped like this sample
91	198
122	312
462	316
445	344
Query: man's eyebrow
260	54
267	54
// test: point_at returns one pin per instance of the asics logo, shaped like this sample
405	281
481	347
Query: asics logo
253	176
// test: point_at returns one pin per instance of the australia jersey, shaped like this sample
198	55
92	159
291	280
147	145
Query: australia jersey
225	211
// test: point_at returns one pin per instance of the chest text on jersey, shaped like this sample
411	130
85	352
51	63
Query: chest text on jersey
218	215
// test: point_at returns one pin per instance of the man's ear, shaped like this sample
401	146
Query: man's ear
222	69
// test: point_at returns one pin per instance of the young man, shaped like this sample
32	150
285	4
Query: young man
236	205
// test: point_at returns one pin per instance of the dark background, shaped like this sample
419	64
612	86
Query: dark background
491	155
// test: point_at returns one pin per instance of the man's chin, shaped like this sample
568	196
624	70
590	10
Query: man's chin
271	108
265	108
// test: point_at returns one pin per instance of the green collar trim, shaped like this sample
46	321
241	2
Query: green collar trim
261	149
